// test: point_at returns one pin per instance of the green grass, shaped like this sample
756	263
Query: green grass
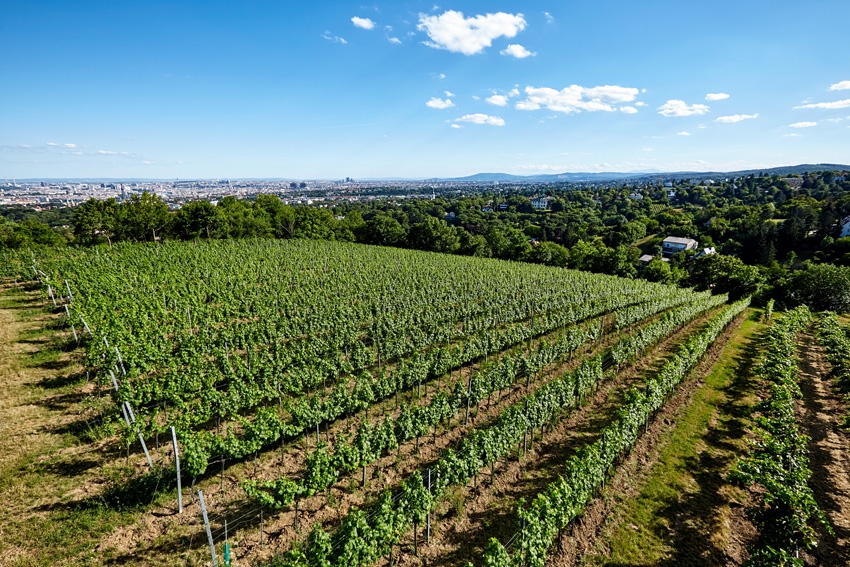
46	521
680	516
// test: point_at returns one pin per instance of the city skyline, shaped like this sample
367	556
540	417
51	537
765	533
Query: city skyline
212	90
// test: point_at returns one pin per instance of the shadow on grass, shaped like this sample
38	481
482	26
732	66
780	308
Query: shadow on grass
695	515
57	382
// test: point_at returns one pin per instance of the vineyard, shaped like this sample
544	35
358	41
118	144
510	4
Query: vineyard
304	403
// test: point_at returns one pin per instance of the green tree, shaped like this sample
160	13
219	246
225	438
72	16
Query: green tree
725	274
95	221
435	235
549	253
197	219
384	230
823	287
142	217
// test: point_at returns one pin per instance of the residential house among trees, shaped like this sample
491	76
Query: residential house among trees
673	244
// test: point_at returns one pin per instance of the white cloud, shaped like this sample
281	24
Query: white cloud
791	135
731	119
640	103
828	105
647	149
439	104
683	134
840	86
449	94
55	145
803	124
363	23
106	152
395	40
457	126
439	76
453	32
716	96
513	92
476	97
680	108
482	119
576	98
146	162
518	51
833	120
549	18
334	38
628	110
497	100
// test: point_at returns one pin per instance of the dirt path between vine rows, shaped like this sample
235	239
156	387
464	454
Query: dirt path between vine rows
629	477
819	414
470	515
227	500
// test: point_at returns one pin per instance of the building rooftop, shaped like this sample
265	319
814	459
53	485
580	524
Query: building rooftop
678	240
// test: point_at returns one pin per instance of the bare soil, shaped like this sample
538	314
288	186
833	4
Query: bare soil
471	515
819	414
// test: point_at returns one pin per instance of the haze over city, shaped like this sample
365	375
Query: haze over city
414	90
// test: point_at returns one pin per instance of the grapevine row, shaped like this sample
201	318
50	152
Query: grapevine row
361	541
564	500
778	462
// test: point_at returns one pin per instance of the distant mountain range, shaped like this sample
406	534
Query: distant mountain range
586	177
566	177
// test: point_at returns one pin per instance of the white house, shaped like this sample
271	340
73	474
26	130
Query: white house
540	202
635	196
673	244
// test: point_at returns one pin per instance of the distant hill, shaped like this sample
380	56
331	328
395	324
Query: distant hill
586	177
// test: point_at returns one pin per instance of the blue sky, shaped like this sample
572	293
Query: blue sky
412	89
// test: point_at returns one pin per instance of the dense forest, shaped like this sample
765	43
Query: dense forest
774	237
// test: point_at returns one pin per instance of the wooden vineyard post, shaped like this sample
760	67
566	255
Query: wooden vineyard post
428	517
177	464
468	396
207	526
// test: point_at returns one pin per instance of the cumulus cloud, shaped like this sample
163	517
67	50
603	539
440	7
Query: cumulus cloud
395	40
518	51
731	119
683	134
457	126
449	94
828	105
549	18
334	38
439	103
497	100
803	124
479	118
640	103
576	98
680	108
363	23
840	86
454	32
628	110
716	96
